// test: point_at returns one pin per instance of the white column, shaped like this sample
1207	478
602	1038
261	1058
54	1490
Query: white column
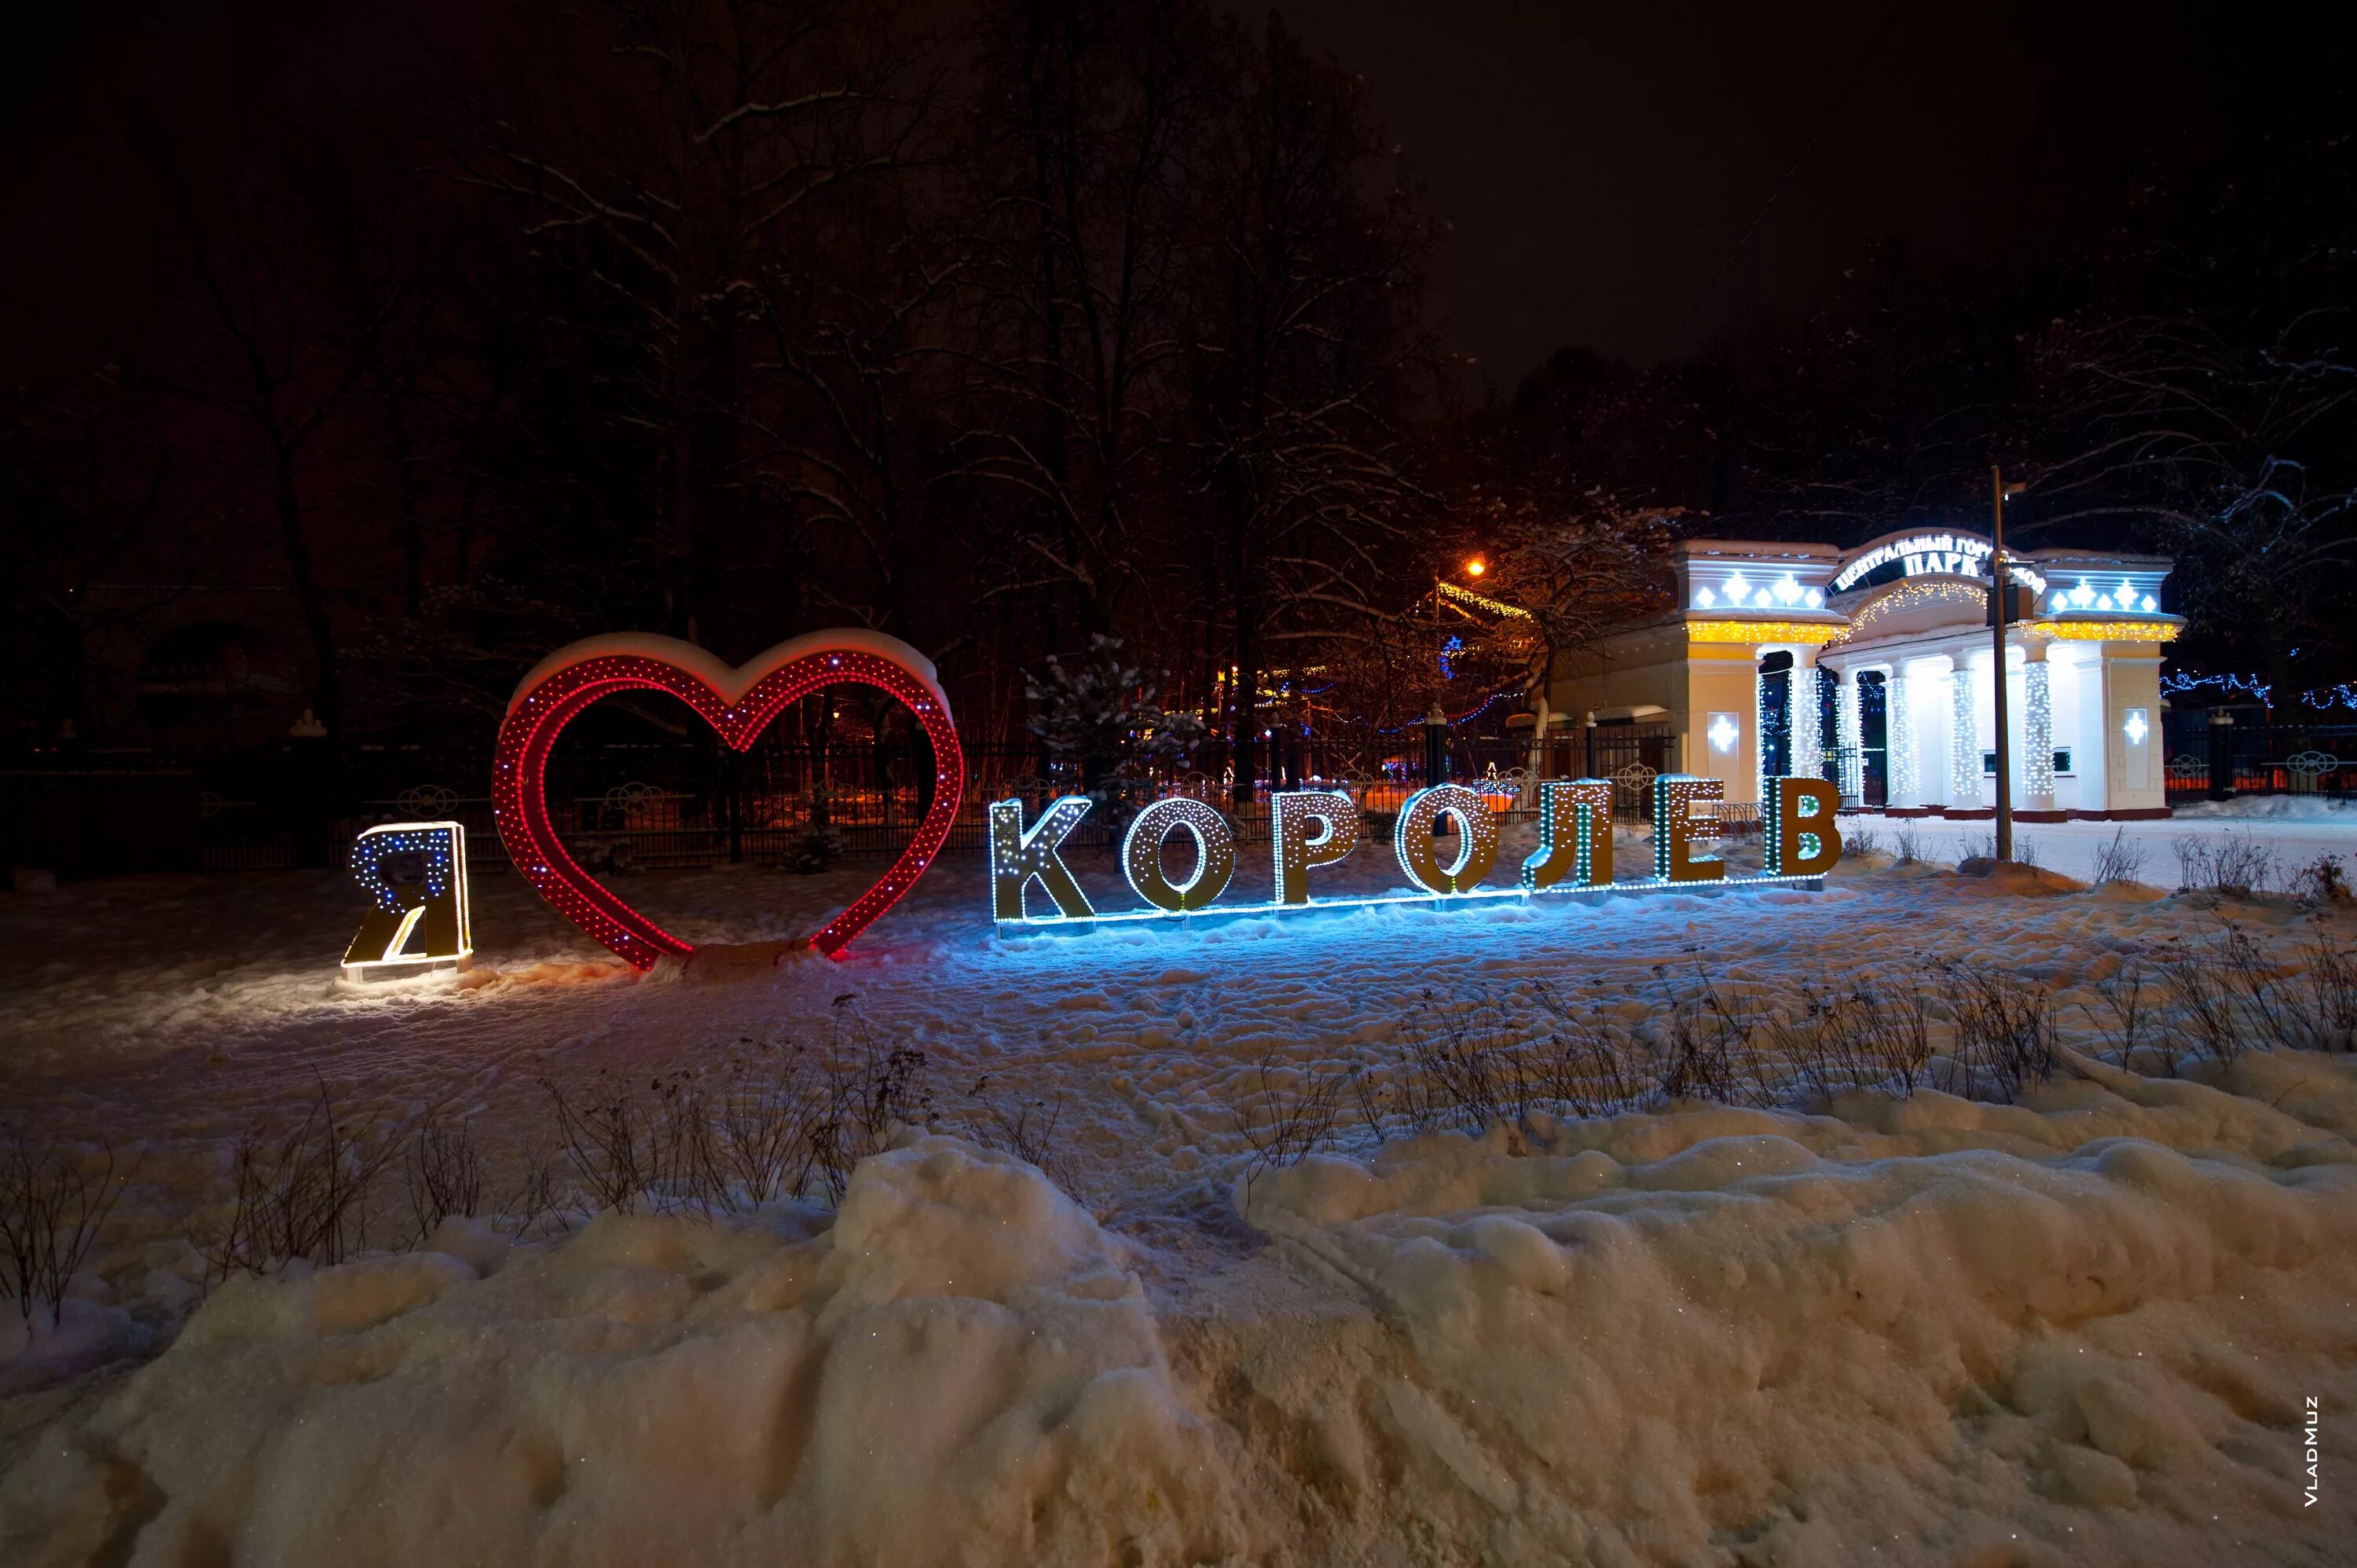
1847	736
1804	708
1963	738
1898	707
2037	730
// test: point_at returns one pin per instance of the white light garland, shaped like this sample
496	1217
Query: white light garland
2038	735
1964	741
1808	710
1849	737
1899	715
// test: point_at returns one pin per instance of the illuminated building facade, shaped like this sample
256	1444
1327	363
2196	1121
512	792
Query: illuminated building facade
1873	668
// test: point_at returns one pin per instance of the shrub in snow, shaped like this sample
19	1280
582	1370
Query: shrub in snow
304	1191
2226	866
2118	859
54	1202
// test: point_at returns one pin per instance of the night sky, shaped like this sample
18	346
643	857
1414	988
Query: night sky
1631	178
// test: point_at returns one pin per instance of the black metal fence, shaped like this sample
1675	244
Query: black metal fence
688	801
2254	753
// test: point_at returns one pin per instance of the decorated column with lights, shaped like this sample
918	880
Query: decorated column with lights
1963	738
1848	737
1807	711
1899	709
2037	730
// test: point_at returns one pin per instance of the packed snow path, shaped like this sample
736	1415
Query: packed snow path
2081	1330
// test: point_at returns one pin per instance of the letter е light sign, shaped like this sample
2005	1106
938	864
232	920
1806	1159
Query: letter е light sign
738	703
1312	828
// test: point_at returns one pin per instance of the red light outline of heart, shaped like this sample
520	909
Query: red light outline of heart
738	703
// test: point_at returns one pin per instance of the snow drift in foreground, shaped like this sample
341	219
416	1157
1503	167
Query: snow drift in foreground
2081	1330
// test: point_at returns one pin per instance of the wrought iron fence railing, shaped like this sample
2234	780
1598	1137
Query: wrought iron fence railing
691	803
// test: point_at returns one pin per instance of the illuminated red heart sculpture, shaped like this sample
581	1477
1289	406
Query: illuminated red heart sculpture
739	704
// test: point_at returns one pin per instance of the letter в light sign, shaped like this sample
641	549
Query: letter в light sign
1574	835
1802	839
1673	828
416	877
1296	850
1215	853
1477	843
1019	856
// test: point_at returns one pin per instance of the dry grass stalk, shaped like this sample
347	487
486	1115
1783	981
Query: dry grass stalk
53	1204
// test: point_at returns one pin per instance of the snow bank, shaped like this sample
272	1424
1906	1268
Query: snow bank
1922	1331
1917	1331
2305	807
961	1369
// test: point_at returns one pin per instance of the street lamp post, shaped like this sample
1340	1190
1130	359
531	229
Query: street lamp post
2000	611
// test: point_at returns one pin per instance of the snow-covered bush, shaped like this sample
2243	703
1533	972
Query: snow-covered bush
814	849
53	1203
2118	859
303	1190
2226	866
775	1124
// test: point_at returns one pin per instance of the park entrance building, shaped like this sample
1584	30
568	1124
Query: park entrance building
1873	668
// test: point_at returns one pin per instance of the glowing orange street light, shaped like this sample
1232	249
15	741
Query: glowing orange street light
1476	566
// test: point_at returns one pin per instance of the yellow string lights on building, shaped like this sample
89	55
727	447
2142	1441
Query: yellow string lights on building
1812	632
1481	602
2107	630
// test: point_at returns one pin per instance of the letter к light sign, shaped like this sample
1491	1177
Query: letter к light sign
738	703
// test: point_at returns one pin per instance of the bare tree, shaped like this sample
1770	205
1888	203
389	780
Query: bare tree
682	186
273	366
1088	113
1304	369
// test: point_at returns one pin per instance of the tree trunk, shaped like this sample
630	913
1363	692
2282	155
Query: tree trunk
326	691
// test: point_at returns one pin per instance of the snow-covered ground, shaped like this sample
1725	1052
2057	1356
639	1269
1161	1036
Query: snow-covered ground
1869	1328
